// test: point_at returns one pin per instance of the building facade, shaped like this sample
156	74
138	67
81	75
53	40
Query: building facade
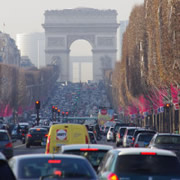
9	53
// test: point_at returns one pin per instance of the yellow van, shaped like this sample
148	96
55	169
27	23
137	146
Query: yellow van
60	134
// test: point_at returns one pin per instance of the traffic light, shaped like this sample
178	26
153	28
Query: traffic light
56	109
59	111
67	113
53	108
63	113
37	103
167	107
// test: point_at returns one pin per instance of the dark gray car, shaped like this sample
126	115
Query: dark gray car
166	141
6	146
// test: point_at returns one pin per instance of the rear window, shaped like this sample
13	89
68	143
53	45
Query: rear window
34	131
5	171
130	132
142	131
122	131
145	137
4	136
148	164
67	167
94	157
168	140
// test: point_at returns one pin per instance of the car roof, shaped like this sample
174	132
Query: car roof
137	151
167	134
37	128
3	130
146	133
134	127
88	146
23	123
41	155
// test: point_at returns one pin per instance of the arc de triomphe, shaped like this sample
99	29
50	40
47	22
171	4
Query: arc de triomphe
98	27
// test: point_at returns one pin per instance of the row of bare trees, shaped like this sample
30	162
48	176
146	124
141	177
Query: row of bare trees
20	88
150	53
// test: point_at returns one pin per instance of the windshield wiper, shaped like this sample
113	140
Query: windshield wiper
54	176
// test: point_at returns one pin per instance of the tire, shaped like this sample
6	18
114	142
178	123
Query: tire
27	145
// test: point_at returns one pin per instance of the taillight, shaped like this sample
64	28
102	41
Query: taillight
57	172
29	135
119	136
48	145
133	139
136	145
54	161
87	141
88	149
148	153
9	145
112	176
46	135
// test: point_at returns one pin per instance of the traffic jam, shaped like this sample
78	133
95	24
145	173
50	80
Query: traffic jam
77	135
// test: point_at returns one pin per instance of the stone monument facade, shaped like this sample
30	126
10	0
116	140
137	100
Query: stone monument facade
98	27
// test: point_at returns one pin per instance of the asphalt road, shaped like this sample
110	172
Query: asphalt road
20	148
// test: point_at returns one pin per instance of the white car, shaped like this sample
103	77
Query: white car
93	152
110	134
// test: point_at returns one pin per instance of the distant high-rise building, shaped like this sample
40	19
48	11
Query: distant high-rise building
123	26
33	46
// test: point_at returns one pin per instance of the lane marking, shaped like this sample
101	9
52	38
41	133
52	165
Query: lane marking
19	146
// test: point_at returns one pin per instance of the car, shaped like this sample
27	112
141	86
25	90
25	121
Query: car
47	166
167	141
5	170
6	146
141	130
92	137
93	152
143	139
120	135
128	135
110	134
66	133
116	127
36	137
139	163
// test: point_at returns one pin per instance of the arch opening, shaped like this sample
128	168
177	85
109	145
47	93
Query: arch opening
81	61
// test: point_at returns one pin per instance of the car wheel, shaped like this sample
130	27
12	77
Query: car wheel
27	145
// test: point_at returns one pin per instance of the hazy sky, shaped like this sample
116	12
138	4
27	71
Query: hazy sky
26	16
